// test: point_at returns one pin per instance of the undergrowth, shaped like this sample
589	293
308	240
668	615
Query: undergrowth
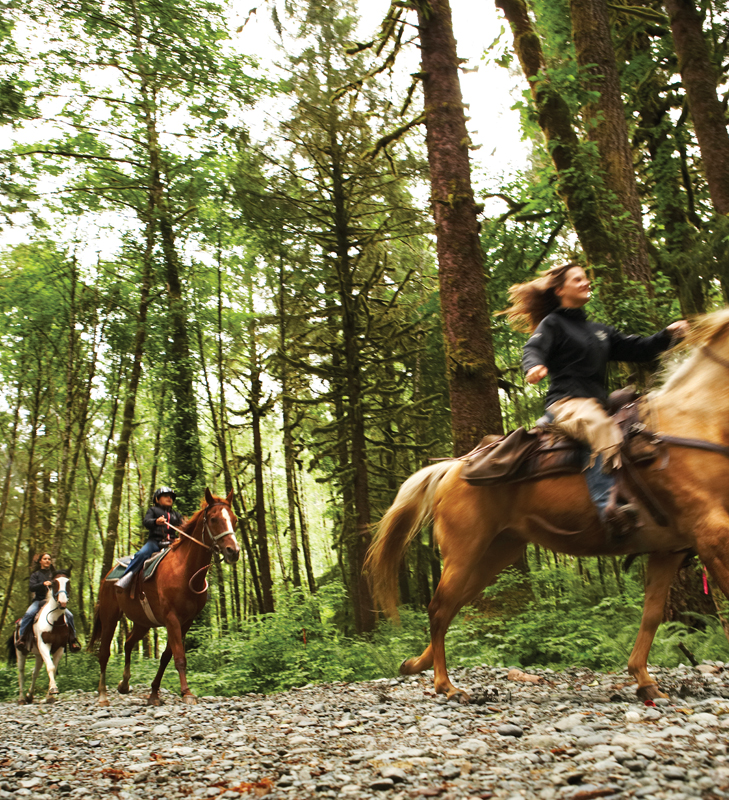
566	623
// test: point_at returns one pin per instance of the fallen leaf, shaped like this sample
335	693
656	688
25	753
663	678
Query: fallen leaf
523	677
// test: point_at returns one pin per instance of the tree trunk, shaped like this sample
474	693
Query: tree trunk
699	76
264	562
304	528
10	461
563	145
608	129
122	448
472	375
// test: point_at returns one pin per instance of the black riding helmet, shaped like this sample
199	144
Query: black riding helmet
164	490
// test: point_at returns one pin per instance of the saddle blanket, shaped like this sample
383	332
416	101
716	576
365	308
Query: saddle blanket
149	568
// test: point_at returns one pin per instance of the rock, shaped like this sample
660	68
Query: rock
395	774
510	730
161	730
523	677
674	773
567	723
450	771
382	784
707	669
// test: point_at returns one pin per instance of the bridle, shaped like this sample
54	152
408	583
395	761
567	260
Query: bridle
213	547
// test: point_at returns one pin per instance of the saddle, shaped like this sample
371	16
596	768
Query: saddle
148	570
544	451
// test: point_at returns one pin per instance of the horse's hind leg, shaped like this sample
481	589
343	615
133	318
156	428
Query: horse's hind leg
20	660
660	572
33	678
108	627
135	636
465	575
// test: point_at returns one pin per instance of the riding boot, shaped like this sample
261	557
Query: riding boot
22	645
619	517
125	581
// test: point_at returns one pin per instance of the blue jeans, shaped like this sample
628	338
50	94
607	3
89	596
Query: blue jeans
148	550
600	485
33	609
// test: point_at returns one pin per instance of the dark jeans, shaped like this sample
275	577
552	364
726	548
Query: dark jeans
151	547
600	485
33	609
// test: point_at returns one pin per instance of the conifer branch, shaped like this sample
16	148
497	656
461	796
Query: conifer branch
393	136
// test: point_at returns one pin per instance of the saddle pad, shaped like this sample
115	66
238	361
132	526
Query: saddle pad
150	565
521	456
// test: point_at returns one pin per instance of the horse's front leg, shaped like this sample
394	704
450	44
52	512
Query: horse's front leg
660	573
33	678
153	699
45	651
176	643
136	634
20	660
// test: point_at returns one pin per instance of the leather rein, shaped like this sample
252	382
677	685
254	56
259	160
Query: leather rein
697	444
214	548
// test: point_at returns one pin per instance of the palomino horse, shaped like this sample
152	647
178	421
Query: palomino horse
482	530
171	594
51	634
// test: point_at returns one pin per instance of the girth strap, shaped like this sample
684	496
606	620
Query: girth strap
697	444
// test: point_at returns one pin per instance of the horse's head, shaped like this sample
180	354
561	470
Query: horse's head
219	523
60	588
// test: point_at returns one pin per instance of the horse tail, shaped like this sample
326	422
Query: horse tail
96	630
11	649
412	508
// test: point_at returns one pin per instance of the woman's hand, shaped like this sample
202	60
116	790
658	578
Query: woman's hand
680	328
536	374
46	583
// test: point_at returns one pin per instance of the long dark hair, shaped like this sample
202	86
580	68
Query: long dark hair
37	559
532	301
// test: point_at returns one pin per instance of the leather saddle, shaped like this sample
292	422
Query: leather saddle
544	451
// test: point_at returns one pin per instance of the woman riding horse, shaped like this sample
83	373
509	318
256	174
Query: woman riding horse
38	585
575	352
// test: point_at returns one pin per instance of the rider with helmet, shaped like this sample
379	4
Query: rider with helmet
38	584
158	521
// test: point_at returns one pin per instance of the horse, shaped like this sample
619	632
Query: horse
481	530
170	597
51	634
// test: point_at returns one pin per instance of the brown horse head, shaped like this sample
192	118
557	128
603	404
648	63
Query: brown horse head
220	523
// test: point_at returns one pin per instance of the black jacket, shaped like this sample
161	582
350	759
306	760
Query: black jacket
36	581
576	353
161	532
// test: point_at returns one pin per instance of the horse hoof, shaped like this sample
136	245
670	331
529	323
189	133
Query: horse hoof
153	700
123	688
189	699
457	696
104	702
406	668
50	698
650	692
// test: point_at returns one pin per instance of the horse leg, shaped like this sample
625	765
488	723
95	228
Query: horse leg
153	699
108	627
45	651
20	660
33	678
660	572
176	639
136	635
712	534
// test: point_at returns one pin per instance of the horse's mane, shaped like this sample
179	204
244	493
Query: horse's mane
189	525
704	330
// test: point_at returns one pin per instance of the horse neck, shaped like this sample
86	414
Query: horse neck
191	554
699	402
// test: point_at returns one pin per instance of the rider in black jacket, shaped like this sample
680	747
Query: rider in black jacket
157	521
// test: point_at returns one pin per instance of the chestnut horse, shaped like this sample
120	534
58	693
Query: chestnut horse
173	599
482	530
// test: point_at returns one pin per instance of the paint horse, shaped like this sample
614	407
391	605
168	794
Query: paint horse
170	599
481	530
51	634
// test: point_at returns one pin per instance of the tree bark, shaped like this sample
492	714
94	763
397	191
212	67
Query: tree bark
472	375
10	463
699	76
609	130
125	435
563	145
264	561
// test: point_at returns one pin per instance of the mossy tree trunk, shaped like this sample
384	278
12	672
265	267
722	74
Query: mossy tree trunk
699	76
607	127
472	374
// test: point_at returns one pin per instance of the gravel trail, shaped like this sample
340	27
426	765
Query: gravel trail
575	735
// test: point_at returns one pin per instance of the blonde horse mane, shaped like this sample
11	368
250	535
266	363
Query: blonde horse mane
704	330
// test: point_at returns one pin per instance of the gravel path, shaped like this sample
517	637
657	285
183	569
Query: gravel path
575	735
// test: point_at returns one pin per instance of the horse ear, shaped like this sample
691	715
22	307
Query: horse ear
208	496
229	498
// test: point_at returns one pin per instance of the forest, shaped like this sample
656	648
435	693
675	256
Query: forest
304	310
